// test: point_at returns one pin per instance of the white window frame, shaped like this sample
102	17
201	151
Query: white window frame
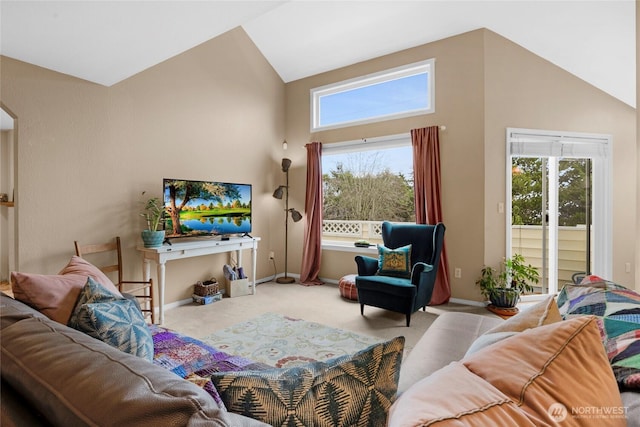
597	147
416	68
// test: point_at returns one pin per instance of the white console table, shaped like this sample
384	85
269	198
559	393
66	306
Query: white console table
192	248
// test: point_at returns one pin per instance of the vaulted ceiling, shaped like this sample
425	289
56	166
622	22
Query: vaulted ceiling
108	41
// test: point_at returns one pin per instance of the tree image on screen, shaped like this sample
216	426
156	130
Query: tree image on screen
198	207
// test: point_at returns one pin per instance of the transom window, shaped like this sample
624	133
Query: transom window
399	92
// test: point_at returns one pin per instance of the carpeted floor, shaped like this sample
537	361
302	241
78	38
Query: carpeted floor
282	341
321	304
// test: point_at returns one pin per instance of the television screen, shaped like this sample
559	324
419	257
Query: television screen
197	208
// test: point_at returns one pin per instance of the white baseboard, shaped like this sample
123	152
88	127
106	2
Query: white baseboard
330	281
325	280
467	302
190	300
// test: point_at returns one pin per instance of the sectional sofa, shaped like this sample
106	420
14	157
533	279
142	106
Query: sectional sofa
542	367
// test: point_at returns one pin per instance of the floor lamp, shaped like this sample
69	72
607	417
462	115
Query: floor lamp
283	190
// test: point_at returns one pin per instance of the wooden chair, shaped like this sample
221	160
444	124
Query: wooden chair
107	253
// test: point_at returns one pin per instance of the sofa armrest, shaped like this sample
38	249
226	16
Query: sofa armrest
447	340
73	379
367	266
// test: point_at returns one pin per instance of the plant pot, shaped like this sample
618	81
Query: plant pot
505	297
152	239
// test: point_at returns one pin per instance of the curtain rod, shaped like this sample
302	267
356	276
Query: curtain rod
373	140
442	127
388	137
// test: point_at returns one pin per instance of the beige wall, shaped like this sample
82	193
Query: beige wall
88	151
219	111
484	84
637	270
525	91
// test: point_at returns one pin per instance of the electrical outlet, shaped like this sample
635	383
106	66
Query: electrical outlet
271	255
457	273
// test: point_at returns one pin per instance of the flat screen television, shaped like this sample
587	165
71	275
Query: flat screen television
205	208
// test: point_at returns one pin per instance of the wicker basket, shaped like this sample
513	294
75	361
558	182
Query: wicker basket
208	287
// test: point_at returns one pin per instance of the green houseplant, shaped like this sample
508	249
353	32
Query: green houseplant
152	213
503	287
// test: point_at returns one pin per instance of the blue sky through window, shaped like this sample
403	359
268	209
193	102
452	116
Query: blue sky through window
400	95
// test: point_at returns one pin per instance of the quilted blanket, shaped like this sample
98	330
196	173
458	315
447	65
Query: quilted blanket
194	360
617	310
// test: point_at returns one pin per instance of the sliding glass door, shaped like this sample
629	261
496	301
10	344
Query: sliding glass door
558	204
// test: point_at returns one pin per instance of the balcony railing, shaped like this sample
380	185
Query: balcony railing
350	231
525	240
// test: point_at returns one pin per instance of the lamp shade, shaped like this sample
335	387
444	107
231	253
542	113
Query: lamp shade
295	215
279	192
286	163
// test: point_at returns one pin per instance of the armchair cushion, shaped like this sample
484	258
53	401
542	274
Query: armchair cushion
394	262
387	285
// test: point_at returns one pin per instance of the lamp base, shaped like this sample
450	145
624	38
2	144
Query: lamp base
285	279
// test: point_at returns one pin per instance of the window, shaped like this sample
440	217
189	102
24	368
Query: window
366	182
400	92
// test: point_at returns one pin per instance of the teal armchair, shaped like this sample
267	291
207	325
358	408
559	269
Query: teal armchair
402	293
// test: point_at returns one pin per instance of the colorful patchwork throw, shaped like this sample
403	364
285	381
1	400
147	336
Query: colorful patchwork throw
618	311
194	360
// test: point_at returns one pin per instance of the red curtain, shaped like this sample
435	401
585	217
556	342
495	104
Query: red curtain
427	191
311	249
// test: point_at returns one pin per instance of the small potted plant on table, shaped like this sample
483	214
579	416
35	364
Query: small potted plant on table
504	287
152	213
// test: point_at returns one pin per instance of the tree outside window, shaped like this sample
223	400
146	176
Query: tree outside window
369	185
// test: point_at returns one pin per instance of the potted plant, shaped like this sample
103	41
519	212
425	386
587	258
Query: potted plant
503	287
152	213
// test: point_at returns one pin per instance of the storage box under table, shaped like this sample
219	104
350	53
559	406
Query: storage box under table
206	288
207	299
240	287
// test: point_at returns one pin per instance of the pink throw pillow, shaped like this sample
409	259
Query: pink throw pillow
80	266
55	296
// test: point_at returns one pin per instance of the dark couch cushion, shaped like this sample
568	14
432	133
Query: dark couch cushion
12	311
73	379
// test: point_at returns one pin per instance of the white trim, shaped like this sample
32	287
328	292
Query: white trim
553	225
186	301
467	302
330	281
348	247
375	143
598	148
427	66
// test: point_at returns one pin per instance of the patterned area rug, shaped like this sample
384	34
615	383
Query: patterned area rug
281	341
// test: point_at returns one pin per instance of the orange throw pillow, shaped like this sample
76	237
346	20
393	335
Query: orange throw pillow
552	371
556	374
